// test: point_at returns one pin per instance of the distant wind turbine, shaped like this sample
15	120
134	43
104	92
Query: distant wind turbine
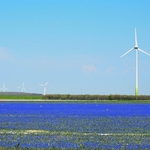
22	87
137	49
4	88
44	86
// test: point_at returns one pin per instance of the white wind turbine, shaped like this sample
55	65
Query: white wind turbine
137	49
44	86
22	87
4	88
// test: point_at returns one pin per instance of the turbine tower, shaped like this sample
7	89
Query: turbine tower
44	86
136	64
4	88
22	87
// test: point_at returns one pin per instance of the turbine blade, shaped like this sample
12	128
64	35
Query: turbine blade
136	42
127	52
4	83
41	84
46	83
6	89
143	52
24	89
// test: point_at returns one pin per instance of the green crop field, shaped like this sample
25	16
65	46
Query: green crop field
19	97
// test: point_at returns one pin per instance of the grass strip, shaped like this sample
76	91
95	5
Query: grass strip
67	133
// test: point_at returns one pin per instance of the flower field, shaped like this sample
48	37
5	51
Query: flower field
74	126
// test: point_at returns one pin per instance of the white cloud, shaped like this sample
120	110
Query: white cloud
129	69
89	68
110	69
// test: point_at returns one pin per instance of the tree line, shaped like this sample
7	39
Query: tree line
95	97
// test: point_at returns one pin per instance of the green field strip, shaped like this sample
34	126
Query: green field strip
69	133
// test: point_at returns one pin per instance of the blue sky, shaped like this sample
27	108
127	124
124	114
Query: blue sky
75	45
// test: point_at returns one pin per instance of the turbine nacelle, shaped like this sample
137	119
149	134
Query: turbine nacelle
136	47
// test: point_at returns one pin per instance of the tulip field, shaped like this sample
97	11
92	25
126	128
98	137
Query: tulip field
42	125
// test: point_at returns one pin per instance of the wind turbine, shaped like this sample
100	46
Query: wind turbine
136	64
22	87
4	88
44	86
